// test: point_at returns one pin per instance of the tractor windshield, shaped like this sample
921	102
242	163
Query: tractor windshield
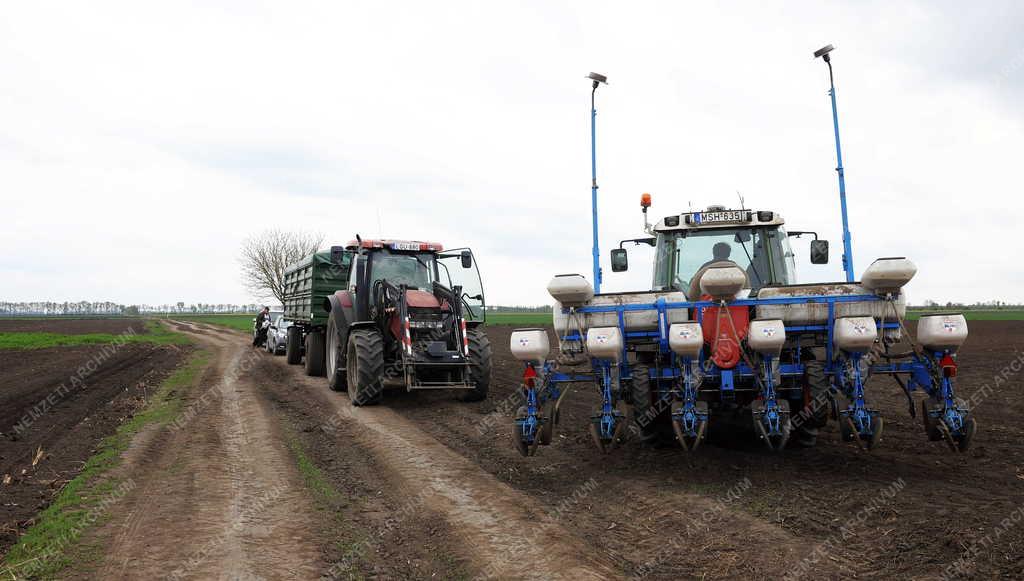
415	270
763	252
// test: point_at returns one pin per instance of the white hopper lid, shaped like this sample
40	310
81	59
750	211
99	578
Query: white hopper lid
888	274
571	290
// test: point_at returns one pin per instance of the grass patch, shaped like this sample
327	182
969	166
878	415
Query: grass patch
236	322
155	334
519	319
312	475
973	314
353	545
350	542
51	544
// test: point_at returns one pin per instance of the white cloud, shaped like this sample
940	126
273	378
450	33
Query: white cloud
139	146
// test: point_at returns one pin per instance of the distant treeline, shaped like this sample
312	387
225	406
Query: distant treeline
518	309
108	309
980	306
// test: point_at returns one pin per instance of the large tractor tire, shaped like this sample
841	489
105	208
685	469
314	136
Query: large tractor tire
335	355
364	365
315	354
479	366
293	346
644	411
816	406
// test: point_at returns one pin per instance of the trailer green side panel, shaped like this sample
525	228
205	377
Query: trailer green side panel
309	281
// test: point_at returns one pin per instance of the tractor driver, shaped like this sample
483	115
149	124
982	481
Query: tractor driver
719	252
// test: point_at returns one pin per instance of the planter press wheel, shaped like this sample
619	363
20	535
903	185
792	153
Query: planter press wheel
609	444
962	443
522	447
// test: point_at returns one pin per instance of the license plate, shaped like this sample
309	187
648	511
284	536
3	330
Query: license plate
405	246
723	216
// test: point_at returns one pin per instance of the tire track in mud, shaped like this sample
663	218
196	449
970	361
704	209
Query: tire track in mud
807	499
217	496
564	527
508	536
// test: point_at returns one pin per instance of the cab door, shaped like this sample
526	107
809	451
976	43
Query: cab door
458	267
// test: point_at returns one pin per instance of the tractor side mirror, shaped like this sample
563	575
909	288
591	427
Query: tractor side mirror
819	251
620	260
467	259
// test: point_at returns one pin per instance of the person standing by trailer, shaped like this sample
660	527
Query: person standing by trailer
259	334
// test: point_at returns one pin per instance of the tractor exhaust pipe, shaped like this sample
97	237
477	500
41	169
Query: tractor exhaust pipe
847	246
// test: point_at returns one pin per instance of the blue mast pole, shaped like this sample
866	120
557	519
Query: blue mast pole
593	189
847	245
597	80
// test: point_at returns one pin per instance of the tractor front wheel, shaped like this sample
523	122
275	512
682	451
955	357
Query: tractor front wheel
479	366
364	365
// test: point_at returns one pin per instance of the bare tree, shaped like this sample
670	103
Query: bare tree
266	255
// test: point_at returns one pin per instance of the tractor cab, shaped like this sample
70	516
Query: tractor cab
687	244
418	266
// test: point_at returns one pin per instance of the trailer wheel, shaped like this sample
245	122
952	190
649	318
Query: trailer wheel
315	354
364	365
479	366
336	379
293	346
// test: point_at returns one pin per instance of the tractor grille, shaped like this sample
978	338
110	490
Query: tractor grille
425	320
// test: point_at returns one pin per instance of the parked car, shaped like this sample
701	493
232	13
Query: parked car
277	335
259	335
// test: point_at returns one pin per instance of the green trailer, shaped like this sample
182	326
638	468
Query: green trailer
307	284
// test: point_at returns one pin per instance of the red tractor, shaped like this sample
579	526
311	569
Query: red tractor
411	317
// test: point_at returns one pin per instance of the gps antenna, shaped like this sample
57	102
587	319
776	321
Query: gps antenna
598	79
823	52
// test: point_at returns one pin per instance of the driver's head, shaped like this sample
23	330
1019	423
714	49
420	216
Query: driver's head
721	251
266	309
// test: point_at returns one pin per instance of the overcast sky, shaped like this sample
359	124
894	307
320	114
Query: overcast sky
141	143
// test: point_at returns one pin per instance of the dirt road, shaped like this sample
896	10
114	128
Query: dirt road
216	494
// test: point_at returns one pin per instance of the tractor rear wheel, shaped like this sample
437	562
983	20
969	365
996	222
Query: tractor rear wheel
479	366
814	410
364	364
336	378
644	411
315	354
293	346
